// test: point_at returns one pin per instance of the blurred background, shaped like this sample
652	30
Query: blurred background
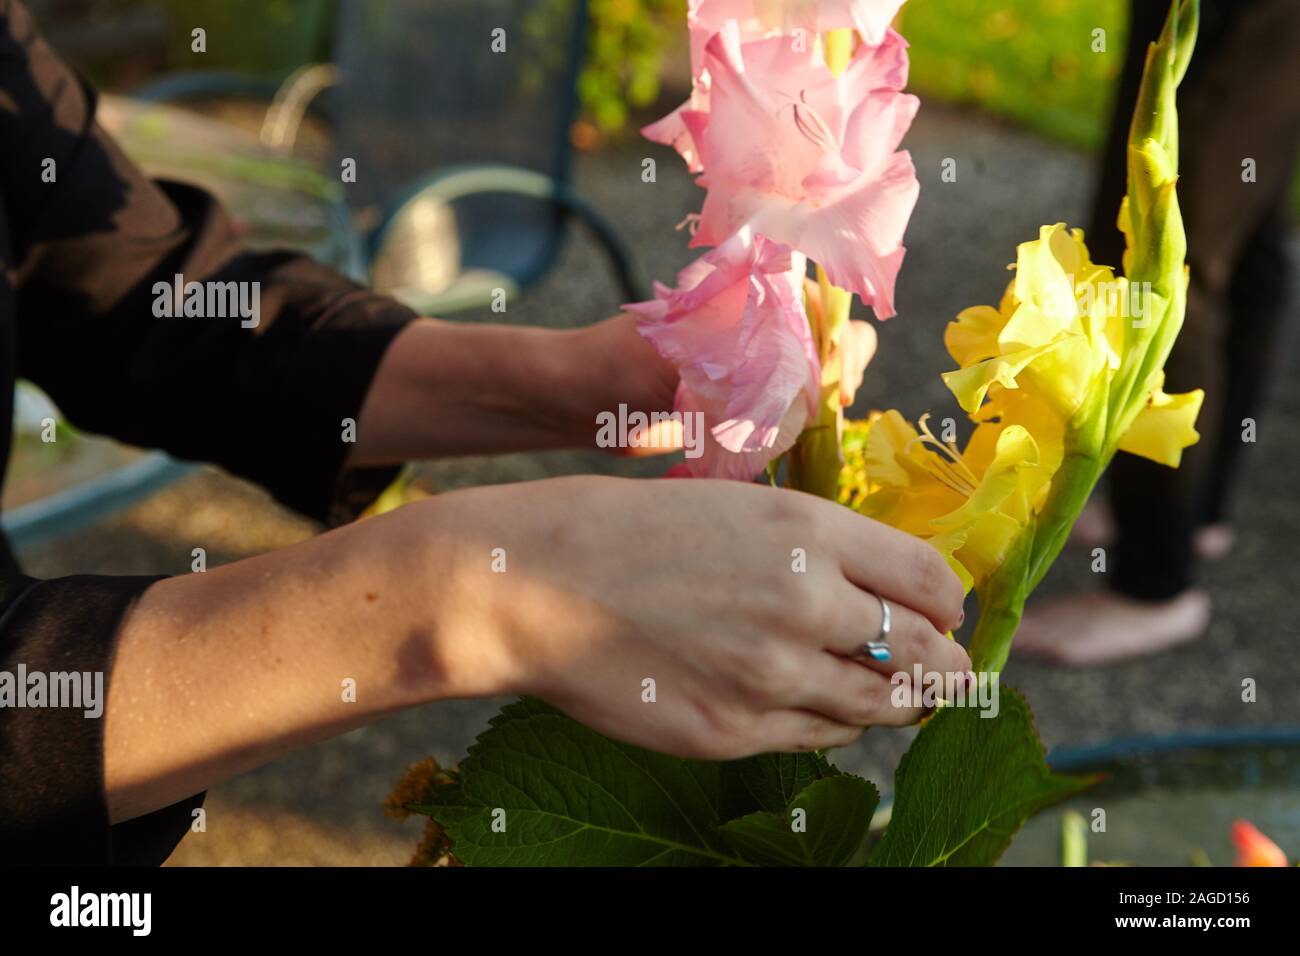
449	144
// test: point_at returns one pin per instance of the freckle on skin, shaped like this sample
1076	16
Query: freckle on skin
371	596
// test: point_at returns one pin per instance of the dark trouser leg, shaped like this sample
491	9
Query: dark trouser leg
1257	301
1242	101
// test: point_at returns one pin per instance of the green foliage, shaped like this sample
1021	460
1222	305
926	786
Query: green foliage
625	50
626	45
1030	60
288	33
538	788
967	784
835	813
573	797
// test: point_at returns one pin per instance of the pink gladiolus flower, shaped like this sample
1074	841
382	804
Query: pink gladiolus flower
1253	848
758	20
675	129
807	158
736	329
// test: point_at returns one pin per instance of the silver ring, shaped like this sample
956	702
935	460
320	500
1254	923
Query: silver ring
878	650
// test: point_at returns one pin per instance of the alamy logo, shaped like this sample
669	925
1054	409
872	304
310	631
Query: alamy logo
75	908
77	690
655	430
208	300
928	689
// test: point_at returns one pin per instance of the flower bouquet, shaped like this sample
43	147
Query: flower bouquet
793	128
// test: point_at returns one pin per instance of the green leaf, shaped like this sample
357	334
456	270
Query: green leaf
967	784
834	813
539	789
773	780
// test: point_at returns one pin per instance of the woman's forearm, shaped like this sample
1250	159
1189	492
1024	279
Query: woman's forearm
511	589
219	672
451	388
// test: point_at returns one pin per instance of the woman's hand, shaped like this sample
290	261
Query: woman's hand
670	614
455	388
673	614
629	371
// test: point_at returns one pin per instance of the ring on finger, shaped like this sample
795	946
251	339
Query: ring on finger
878	649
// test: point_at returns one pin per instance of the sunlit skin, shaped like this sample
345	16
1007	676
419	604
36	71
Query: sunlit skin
607	581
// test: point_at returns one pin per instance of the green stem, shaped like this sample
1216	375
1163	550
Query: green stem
1075	480
1002	602
816	459
1074	839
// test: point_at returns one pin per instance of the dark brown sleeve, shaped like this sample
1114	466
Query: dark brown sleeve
268	403
62	633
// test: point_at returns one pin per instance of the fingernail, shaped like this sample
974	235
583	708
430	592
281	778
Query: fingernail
961	617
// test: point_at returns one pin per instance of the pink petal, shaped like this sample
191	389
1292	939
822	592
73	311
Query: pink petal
758	19
736	329
807	159
858	237
871	18
680	127
718	462
875	128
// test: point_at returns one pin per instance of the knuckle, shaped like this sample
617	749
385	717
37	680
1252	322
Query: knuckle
784	510
883	708
937	581
820	526
766	674
863	715
928	643
913	634
817	733
722	733
810	736
875	704
929	568
793	605
819	611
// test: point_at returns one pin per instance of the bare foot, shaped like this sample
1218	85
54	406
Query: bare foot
1102	627
1214	541
1095	528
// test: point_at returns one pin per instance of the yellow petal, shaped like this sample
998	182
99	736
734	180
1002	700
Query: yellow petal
973	336
885	452
1015	450
982	530
947	545
1063	375
1028	327
970	385
1165	427
1021	407
987	543
913	510
1105	306
1045	270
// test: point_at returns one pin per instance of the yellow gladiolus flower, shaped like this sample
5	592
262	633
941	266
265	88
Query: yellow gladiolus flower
970	505
1058	331
1065	372
1058	336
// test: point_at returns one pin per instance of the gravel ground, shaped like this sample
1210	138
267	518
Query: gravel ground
322	806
